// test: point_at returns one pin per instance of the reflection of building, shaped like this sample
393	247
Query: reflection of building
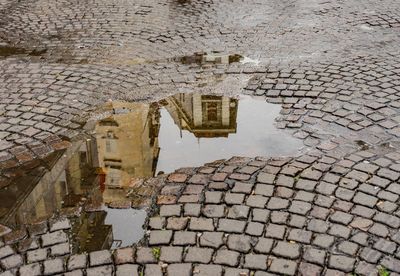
204	116
127	143
124	148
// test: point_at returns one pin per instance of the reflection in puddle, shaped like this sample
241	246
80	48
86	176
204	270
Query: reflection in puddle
108	228
198	129
185	130
135	142
210	58
6	51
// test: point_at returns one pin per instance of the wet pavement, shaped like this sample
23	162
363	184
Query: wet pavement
130	143
119	123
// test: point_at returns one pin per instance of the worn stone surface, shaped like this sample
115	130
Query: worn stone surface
332	66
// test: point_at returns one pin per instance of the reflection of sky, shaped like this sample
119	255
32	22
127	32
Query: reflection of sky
126	224
256	136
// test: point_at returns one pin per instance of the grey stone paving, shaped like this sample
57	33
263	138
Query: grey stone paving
334	68
304	231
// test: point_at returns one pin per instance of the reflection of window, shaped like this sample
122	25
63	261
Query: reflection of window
114	178
82	159
110	142
108	145
212	112
110	135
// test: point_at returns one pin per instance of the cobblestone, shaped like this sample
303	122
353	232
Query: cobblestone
331	210
80	261
227	257
100	258
283	266
199	255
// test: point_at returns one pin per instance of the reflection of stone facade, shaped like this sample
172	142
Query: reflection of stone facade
64	186
204	116
125	148
127	144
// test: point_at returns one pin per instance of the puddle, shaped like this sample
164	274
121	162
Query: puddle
199	59
198	129
247	60
6	51
362	144
186	130
107	229
209	58
131	143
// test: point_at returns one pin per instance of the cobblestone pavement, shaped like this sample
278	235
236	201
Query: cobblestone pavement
317	214
334	68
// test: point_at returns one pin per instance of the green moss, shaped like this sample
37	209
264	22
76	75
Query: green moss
382	271
156	252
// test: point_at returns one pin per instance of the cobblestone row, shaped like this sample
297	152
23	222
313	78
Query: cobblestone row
117	31
318	214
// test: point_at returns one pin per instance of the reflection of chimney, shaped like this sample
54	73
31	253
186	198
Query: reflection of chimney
197	110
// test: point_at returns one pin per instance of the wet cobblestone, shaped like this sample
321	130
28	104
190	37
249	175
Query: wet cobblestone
342	241
332	66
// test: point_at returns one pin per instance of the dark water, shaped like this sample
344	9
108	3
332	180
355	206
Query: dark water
6	51
210	58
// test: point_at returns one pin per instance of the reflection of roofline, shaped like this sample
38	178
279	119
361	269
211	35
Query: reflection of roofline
205	129
198	132
209	133
108	122
31	180
180	110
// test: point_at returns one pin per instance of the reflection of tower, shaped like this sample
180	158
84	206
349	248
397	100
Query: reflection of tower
204	116
127	143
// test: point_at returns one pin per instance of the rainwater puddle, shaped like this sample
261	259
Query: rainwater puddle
108	229
197	129
212	58
6	51
74	184
100	178
186	130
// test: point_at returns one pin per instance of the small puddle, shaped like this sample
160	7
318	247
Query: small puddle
106	174
6	51
196	129
209	58
107	229
186	130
